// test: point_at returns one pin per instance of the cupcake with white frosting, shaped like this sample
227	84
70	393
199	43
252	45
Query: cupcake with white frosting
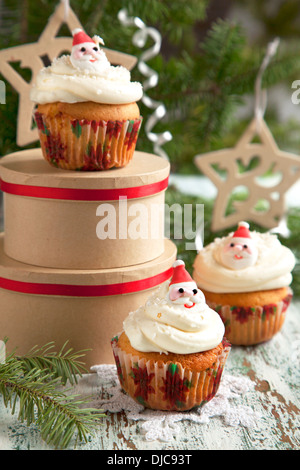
172	351
87	114
246	278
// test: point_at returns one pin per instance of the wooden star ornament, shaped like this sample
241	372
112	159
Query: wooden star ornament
38	55
247	165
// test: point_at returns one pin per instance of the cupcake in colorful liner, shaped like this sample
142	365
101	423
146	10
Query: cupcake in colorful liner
245	277
87	116
172	351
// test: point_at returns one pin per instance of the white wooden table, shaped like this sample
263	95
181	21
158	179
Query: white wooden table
274	369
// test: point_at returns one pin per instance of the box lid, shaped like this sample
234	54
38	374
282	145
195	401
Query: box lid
24	278
27	173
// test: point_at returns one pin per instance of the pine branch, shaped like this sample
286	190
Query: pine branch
223	48
223	51
39	399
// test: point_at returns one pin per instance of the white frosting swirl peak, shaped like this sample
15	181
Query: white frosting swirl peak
164	326
65	83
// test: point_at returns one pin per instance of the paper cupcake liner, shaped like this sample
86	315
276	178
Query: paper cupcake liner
247	326
167	386
87	145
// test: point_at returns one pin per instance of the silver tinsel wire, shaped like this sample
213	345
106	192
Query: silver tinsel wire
139	39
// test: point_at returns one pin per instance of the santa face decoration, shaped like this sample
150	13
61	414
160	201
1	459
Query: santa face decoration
240	252
86	53
183	290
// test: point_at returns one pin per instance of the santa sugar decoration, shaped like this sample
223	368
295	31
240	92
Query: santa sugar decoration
240	252
183	289
86	53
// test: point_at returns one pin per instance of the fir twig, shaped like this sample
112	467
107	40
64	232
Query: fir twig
39	399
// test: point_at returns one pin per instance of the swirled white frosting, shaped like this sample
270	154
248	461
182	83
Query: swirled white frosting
164	326
65	83
272	269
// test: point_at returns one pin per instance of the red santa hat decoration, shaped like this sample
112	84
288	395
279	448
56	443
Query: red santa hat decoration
242	231
180	276
80	38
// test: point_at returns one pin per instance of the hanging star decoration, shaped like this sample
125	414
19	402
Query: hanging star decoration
247	165
40	54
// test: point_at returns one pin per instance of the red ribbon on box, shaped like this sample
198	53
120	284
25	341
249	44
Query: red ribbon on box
85	291
72	194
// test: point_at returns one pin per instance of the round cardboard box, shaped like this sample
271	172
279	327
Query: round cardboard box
83	220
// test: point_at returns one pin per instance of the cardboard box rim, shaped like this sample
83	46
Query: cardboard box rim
28	167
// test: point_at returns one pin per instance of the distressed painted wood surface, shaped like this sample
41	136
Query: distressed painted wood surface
274	369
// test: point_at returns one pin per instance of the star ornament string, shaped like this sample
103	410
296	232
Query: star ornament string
261	94
67	8
139	39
